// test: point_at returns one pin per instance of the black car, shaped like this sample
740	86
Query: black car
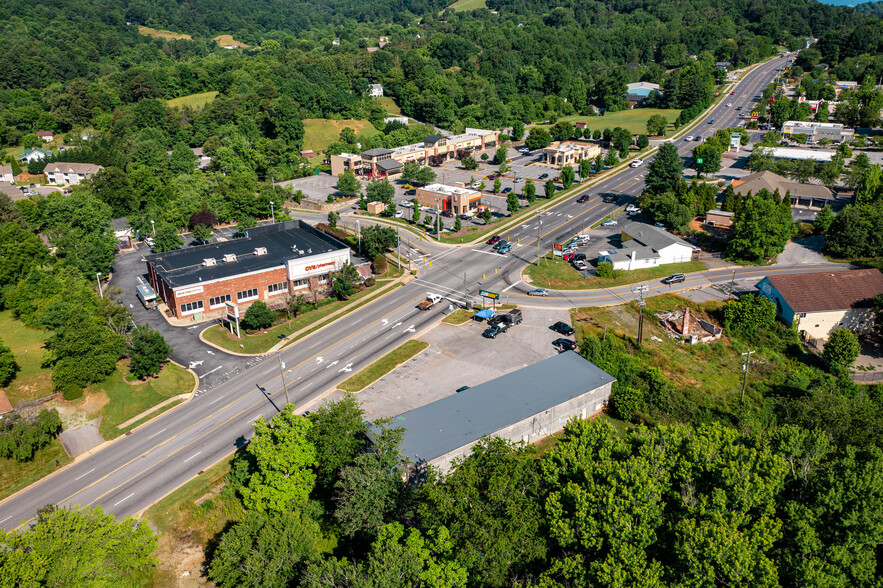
507	190
579	257
564	344
463	388
674	279
544	176
492	332
583	198
609	199
563	328
495	320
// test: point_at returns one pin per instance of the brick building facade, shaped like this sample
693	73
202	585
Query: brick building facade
269	263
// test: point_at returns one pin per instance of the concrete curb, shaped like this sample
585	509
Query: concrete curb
394	368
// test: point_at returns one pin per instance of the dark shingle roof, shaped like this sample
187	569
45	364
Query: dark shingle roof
376	152
838	290
183	267
389	164
433	139
457	420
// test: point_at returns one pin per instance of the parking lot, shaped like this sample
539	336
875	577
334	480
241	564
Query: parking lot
459	356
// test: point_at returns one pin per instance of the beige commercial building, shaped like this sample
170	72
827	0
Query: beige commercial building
450	198
562	153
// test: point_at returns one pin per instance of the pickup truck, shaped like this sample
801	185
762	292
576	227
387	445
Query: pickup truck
431	300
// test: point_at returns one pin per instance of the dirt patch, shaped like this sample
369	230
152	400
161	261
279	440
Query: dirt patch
79	412
180	562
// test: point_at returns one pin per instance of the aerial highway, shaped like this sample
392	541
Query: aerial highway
138	469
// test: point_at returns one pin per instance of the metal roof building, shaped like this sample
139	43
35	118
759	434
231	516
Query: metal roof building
524	405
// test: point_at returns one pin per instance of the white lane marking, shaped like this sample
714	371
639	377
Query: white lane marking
210	371
210	352
333	363
6	519
215	400
192	456
82	475
193	364
314	344
319	360
512	286
193	327
398	324
157	433
347	368
488	253
409	329
125	499
385	321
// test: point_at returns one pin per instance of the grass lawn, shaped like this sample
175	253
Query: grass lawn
14	476
320	132
32	381
464	5
559	275
711	373
126	400
229	40
383	366
388	104
459	316
161	34
634	119
193	100
264	340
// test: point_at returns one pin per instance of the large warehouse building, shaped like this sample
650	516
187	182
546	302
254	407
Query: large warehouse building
525	405
268	263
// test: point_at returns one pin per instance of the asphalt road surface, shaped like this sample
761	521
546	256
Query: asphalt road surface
142	467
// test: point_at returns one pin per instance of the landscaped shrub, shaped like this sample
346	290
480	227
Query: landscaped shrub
380	265
21	438
258	316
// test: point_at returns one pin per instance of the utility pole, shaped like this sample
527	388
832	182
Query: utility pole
539	233
399	247
437	218
466	291
284	387
639	292
747	356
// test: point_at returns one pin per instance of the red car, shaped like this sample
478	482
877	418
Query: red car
568	256
493	240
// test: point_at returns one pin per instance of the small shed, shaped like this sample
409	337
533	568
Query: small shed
719	218
376	207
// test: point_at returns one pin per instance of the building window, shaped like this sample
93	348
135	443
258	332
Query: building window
191	307
300	284
250	294
277	288
324	278
217	301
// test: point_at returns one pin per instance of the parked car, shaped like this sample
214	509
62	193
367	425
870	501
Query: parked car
538	292
517	180
636	163
563	328
564	344
630	208
674	279
581	239
659	225
492	332
580	265
400	213
496	320
447	214
506	190
579	257
544	176
430	210
635	212
609	223
569	256
583	198
406	204
513	317
493	240
505	248
463	388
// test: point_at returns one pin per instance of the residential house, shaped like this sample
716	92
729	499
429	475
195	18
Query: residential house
203	160
47	136
67	173
637	93
561	153
840	86
335	42
811	195
643	246
724	65
34	155
6	174
398	119
383	42
817	303
375	90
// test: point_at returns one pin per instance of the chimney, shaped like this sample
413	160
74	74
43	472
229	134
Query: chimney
685	328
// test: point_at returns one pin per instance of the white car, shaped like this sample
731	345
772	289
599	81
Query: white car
406	204
581	239
580	265
400	213
635	212
630	208
688	138
637	163
729	104
609	223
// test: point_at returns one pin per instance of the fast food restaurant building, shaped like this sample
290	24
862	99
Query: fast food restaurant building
270	262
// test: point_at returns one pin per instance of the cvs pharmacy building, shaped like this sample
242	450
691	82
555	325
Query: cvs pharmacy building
268	263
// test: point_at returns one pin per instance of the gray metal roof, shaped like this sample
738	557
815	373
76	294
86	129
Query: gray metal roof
433	139
183	267
457	420
388	164
650	236
377	151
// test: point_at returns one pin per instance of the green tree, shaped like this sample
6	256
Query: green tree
824	218
333	218
710	156
258	316
77	547
499	156
338	434
182	160
626	401
8	366
409	171
486	215
167	238
111	185
656	125
599	164
585	168
348	184
425	175
642	141
550	188
469	163
497	185
512	203
458	224
841	349
762	228
380	191
517	130
530	191
148	351
284	459
202	233
245	222
611	159
749	315
377	239
567	176
296	304
664	172
343	282
265	549
869	187
731	200
537	138
561	130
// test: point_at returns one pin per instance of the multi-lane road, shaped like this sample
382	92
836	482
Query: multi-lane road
142	467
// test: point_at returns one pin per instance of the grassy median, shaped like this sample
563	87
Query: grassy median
383	366
555	274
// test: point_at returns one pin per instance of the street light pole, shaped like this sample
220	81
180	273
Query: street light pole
539	233
272	214
98	279
747	356
359	231
282	373
153	226
399	247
